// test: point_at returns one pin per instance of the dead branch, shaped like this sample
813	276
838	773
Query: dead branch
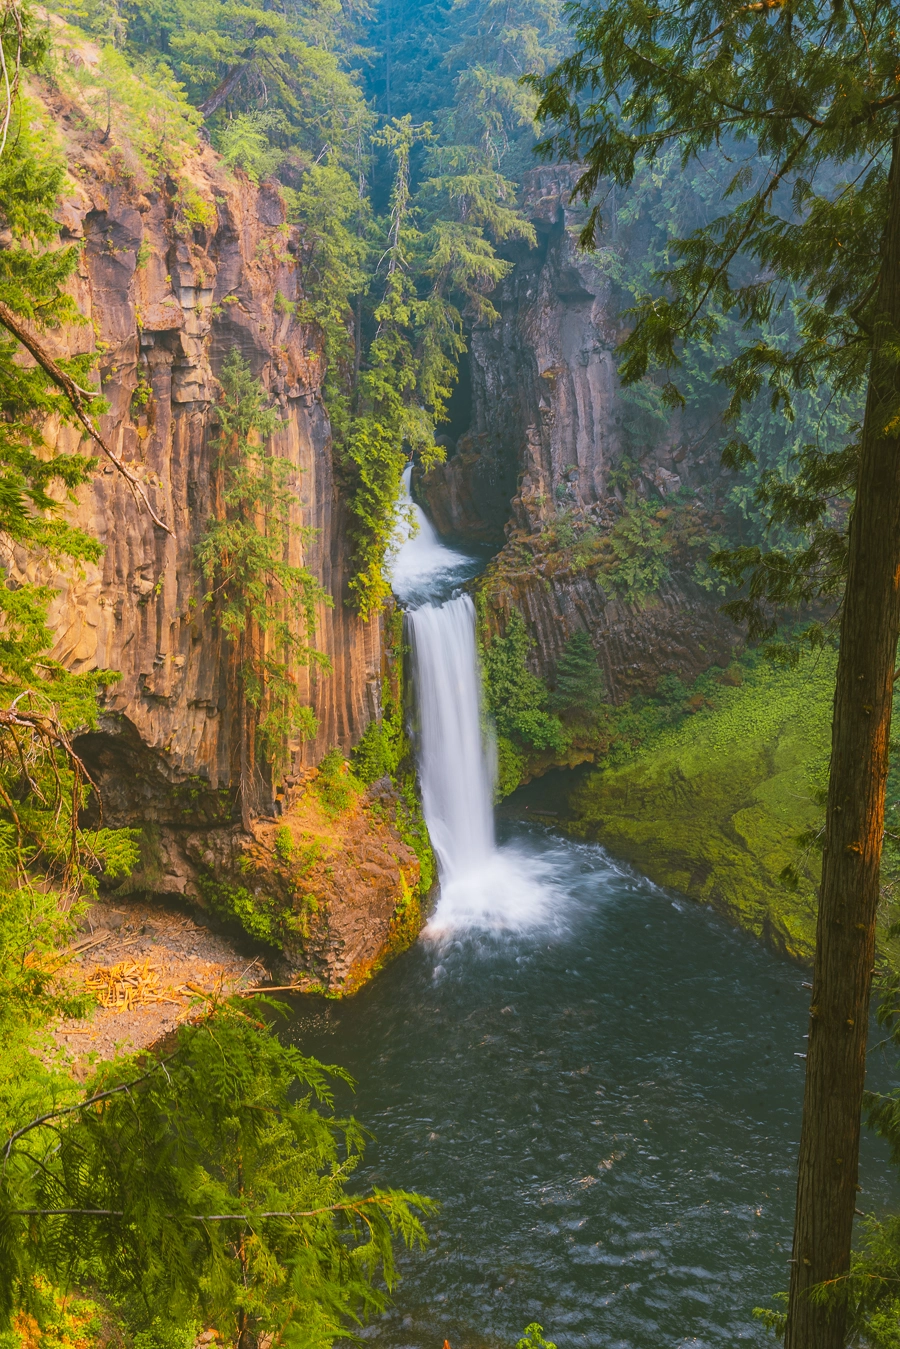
230	82
45	729
76	397
10	82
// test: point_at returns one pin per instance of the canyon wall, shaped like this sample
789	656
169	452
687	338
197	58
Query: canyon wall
172	277
553	434
166	299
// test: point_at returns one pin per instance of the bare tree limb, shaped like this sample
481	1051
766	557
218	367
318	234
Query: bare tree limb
76	397
10	83
82	1105
381	1201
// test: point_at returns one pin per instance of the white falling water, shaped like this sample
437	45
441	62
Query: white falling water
457	788
483	887
421	564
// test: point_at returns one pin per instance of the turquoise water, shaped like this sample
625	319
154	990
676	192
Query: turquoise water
606	1104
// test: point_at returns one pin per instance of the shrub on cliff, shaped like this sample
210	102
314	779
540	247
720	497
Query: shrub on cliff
516	699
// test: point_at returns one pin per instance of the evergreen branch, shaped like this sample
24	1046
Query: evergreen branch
758	7
230	82
383	1201
82	1105
76	396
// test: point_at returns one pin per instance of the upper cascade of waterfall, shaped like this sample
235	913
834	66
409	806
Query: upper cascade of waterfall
422	569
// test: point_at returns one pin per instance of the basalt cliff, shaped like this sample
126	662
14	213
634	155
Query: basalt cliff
551	454
173	277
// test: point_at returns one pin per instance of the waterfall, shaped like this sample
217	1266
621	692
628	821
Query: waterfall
483	887
457	786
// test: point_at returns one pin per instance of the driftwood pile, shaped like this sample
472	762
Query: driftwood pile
126	985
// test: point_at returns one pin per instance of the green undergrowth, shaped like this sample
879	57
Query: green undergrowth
714	788
630	554
725	804
385	751
336	785
259	914
539	725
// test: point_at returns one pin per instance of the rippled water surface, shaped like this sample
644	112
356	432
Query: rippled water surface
606	1104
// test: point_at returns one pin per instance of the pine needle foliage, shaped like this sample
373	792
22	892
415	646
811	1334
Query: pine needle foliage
276	72
517	700
578	692
798	105
42	784
206	1188
800	102
210	1186
33	274
404	384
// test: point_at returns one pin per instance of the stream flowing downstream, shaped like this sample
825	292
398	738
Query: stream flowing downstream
599	1081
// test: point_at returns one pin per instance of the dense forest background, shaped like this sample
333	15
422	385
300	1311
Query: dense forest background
399	137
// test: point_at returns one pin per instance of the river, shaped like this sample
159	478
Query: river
600	1081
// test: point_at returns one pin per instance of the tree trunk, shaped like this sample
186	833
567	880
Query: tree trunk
845	940
228	85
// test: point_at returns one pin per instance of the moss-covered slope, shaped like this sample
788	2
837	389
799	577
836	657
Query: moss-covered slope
714	806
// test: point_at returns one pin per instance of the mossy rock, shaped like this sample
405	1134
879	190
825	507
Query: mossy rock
715	806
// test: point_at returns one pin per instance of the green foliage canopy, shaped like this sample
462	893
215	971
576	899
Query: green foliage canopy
787	254
517	700
42	787
578	690
205	1188
275	70
264	603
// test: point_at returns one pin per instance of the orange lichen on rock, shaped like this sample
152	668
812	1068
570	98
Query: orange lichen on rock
347	881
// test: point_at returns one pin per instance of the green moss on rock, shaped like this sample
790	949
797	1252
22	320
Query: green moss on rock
260	915
715	805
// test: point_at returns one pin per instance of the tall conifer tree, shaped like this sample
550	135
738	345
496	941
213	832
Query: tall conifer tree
801	101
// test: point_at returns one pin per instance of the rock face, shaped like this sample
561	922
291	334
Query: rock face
553	434
334	891
548	413
468	497
171	279
169	300
678	631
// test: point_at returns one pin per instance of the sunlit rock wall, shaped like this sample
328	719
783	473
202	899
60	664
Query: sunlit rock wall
167	291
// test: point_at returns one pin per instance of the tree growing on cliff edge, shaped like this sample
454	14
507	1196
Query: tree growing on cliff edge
798	102
579	691
264	603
